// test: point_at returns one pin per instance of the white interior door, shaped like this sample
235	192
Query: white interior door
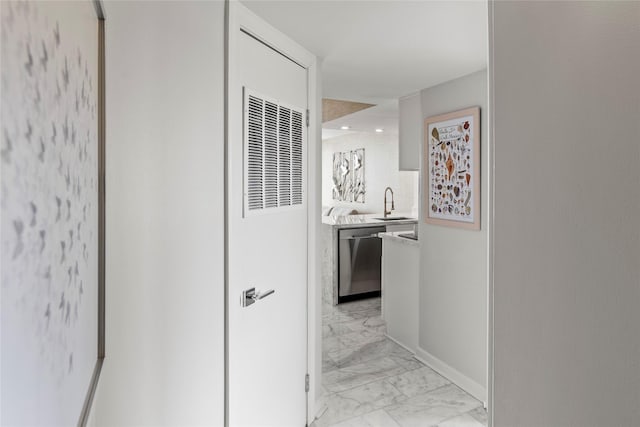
267	239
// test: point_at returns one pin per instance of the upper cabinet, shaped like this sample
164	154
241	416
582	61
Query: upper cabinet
410	132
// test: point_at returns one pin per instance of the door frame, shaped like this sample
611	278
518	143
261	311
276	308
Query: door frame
491	220
238	18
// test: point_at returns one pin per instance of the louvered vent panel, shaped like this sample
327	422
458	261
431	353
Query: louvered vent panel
296	158
270	155
274	150
284	150
255	154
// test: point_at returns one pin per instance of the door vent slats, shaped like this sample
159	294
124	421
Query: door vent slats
271	155
255	159
285	156
275	138
296	158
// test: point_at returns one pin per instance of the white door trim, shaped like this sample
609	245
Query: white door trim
238	19
491	219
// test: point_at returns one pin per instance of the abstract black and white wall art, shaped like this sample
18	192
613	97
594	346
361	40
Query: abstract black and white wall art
348	176
49	209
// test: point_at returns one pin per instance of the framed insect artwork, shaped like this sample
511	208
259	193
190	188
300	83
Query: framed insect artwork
52	130
452	169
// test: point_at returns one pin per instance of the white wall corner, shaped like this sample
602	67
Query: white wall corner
453	375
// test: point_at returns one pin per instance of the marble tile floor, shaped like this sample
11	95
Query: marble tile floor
368	380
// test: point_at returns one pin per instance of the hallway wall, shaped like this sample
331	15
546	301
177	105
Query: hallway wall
566	99
164	217
453	296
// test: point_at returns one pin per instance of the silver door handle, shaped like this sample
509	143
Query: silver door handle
249	296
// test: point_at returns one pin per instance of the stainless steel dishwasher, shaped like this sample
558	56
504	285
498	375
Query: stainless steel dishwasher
359	263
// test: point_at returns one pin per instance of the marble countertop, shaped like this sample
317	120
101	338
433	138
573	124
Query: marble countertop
366	220
394	236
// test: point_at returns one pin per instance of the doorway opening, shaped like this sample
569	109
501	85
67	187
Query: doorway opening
425	340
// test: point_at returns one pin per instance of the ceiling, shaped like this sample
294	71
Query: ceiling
383	116
375	51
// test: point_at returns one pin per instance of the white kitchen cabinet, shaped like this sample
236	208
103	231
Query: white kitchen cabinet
410	131
400	275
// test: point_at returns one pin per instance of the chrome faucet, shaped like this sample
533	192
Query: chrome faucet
386	212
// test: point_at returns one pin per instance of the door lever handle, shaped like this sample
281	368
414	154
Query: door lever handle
261	295
249	296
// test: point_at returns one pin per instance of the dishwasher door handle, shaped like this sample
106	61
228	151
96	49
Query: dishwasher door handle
371	236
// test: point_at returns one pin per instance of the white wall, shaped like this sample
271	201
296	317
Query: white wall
164	215
380	170
567	239
453	296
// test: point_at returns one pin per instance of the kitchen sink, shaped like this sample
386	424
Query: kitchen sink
393	218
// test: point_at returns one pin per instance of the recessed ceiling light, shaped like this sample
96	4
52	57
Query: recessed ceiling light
345	127
379	130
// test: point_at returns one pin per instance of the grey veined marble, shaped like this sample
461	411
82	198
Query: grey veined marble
370	381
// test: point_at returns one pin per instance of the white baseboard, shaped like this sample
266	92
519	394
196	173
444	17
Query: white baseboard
412	351
452	374
321	406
